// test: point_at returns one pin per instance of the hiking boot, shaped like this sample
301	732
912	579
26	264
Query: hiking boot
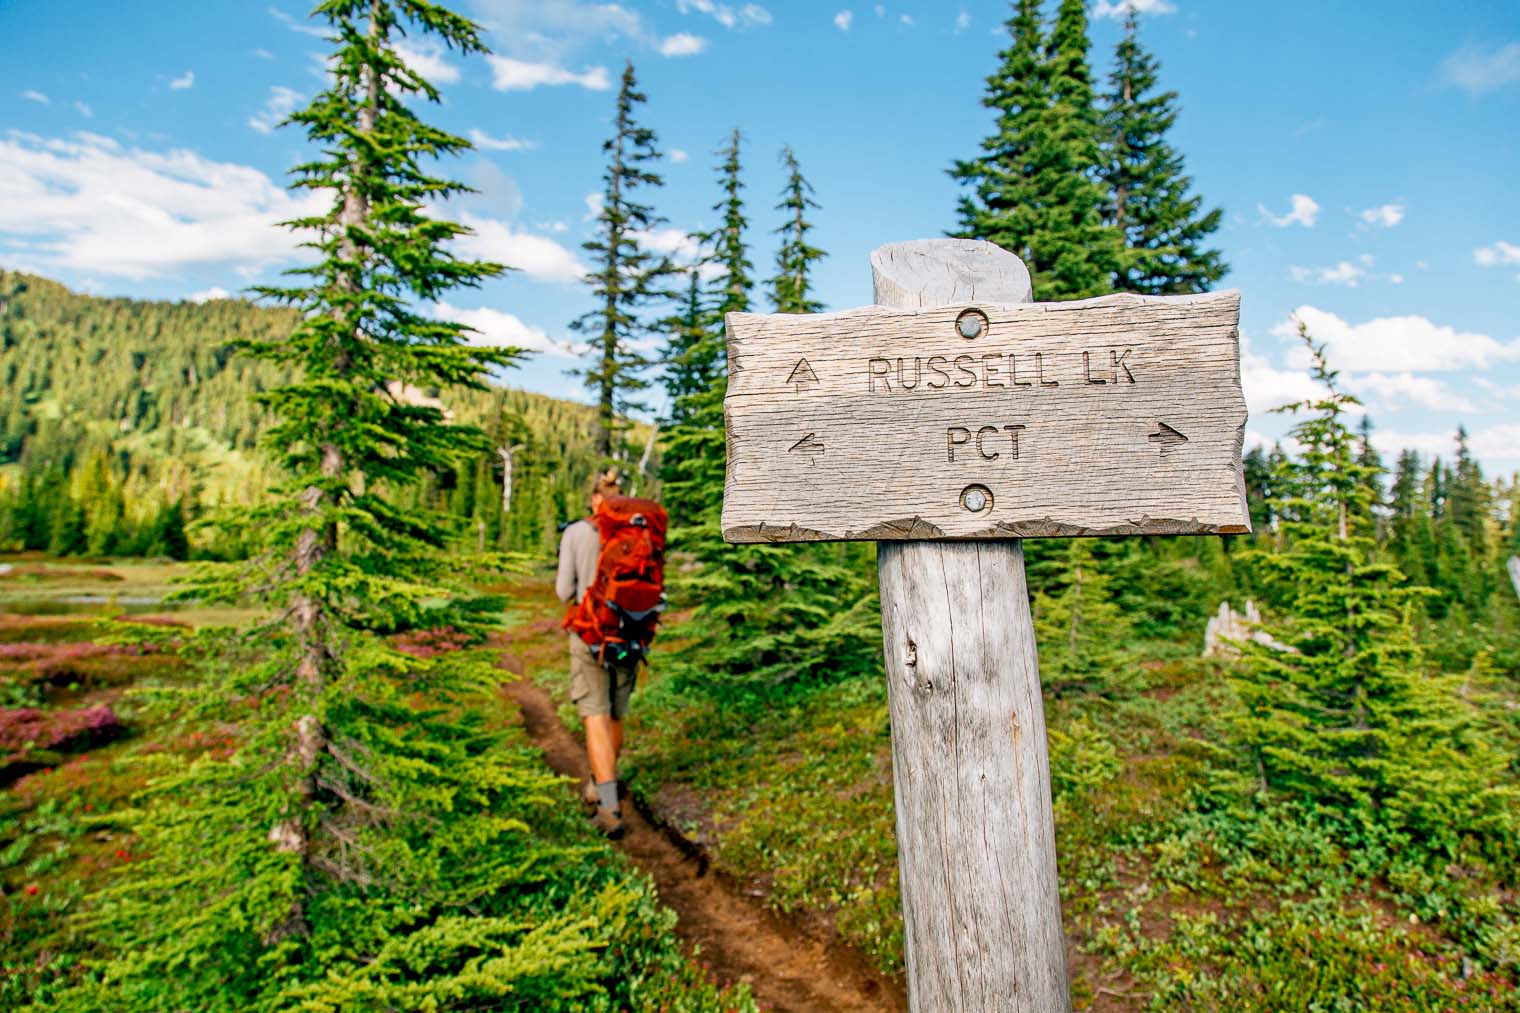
609	822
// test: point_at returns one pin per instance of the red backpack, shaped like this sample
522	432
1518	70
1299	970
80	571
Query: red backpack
618	613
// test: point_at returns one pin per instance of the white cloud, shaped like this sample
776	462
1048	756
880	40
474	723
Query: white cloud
263	54
1267	387
538	257
842	20
84	110
1393	344
1395	279
906	20
1121	8
1343	273
486	142
1389	389
85	203
1499	253
34	96
1496	445
682	44
1478	69
1305	211
594	203
672	242
494	327
207	294
678	156
962	22
1386	215
281	102
748	16
185	80
508	74
425	59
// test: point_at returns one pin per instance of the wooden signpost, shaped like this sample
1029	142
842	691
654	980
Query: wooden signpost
947	422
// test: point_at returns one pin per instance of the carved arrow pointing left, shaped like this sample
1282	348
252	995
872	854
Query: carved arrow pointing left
1169	438
809	446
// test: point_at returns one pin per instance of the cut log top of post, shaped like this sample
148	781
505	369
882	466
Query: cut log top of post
962	411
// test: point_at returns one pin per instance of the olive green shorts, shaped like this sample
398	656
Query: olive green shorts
589	683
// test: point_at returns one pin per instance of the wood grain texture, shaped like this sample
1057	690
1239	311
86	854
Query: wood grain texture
975	834
1114	416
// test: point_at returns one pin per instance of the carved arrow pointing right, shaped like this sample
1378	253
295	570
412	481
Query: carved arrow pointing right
1169	438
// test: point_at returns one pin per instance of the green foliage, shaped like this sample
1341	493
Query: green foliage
1164	227
795	256
627	273
1347	714
1034	187
1081	630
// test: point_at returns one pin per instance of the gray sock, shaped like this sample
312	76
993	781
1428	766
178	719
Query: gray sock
606	795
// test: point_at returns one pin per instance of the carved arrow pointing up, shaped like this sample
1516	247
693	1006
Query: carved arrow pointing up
1169	438
809	446
803	376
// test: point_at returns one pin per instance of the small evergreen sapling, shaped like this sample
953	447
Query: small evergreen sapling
796	256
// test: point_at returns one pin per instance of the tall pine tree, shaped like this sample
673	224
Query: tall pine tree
1035	187
628	274
1163	225
795	256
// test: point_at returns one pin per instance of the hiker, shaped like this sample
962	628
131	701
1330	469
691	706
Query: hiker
611	568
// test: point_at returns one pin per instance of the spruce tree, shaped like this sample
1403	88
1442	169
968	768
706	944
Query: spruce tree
1081	630
1347	715
694	449
627	275
796	256
1163	225
366	840
1035	189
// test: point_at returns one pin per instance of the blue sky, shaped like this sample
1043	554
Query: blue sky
1365	157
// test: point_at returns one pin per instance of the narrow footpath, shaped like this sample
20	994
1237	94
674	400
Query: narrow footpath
740	940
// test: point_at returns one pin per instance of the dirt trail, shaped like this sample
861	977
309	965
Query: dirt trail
740	940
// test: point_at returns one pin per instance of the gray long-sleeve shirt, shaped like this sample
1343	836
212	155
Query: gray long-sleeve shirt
579	546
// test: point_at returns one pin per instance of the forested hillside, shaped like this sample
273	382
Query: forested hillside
126	420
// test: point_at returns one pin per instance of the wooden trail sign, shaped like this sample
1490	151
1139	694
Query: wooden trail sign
1115	416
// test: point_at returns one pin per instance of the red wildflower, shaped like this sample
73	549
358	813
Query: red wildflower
31	889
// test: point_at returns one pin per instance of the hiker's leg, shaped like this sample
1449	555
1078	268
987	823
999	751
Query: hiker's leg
617	737
603	738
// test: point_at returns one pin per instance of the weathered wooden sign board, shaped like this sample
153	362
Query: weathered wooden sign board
1114	416
948	422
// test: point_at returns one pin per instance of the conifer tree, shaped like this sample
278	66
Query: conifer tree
1081	630
1163	225
1035	189
796	256
627	275
366	841
1347	715
694	450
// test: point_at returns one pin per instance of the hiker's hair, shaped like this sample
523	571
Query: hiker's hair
607	484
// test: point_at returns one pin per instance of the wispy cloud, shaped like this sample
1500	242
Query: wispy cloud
486	142
682	44
1384	215
277	106
1344	273
494	327
84	110
298	25
508	74
962	21
425	58
35	96
1304	211
87	203
184	81
538	257
842	20
1478	69
1499	253
750	15
1122	8
678	156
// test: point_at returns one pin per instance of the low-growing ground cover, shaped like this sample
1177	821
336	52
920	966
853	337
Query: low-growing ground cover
65	835
1179	890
